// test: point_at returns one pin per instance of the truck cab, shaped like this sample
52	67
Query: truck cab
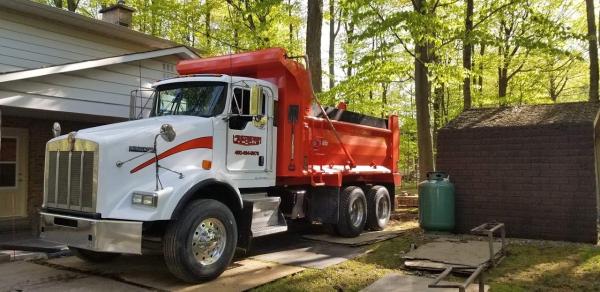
242	126
220	159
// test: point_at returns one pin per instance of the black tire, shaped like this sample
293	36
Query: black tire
93	256
178	249
347	227
378	199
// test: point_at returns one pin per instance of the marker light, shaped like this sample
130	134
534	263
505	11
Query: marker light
145	199
206	164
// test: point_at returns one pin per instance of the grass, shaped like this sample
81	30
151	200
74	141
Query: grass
351	275
408	210
529	266
409	187
549	266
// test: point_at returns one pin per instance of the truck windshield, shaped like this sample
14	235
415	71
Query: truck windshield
203	99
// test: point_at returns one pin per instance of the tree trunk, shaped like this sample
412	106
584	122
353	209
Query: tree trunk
384	99
423	119
208	30
72	5
349	40
290	26
438	110
593	50
480	79
313	41
332	35
502	84
422	90
467	52
236	40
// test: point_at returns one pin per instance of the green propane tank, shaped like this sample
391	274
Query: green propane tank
436	202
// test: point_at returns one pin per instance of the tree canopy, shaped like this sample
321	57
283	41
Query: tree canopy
399	57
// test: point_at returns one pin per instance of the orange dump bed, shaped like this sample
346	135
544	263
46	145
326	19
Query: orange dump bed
309	150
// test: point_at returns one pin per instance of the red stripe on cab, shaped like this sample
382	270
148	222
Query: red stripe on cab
202	142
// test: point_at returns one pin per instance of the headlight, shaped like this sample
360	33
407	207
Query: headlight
144	199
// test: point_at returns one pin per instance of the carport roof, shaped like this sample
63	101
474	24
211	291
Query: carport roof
526	115
182	51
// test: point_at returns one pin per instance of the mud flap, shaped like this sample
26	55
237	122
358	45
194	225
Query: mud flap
324	204
245	227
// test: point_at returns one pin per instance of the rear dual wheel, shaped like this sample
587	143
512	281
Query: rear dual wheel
353	212
358	212
378	208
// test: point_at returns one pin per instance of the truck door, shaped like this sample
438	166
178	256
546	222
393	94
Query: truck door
247	135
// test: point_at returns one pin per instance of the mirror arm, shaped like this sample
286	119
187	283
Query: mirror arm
156	166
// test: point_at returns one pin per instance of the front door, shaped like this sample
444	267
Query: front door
246	135
13	172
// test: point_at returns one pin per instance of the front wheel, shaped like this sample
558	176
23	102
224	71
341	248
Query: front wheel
200	244
353	212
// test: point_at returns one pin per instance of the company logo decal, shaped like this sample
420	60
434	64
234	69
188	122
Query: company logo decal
246	140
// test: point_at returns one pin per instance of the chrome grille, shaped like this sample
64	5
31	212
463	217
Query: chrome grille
87	186
75	178
62	182
51	178
70	175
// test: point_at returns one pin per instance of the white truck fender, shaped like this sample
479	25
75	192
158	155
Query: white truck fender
228	194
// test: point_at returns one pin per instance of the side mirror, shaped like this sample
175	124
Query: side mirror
167	132
256	96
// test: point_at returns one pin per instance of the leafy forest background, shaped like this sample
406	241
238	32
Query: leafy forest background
424	60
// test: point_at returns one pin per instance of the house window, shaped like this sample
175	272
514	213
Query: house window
8	163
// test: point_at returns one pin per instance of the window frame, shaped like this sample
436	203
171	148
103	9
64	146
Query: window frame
224	95
15	162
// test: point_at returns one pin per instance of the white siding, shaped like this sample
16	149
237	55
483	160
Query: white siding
102	91
27	43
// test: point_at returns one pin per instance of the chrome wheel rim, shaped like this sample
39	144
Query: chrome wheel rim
208	242
383	210
357	212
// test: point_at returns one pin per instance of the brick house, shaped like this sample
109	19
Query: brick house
531	167
56	65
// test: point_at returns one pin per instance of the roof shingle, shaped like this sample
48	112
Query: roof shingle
526	115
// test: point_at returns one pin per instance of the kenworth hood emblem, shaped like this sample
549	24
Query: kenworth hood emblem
71	140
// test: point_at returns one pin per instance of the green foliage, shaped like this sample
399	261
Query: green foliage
540	45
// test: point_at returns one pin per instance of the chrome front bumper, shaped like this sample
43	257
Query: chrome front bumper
97	235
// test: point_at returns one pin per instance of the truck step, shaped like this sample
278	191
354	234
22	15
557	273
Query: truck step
266	230
266	217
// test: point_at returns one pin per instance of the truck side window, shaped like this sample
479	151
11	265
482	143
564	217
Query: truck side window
263	106
240	104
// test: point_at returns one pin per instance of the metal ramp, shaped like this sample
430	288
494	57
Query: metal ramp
469	258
